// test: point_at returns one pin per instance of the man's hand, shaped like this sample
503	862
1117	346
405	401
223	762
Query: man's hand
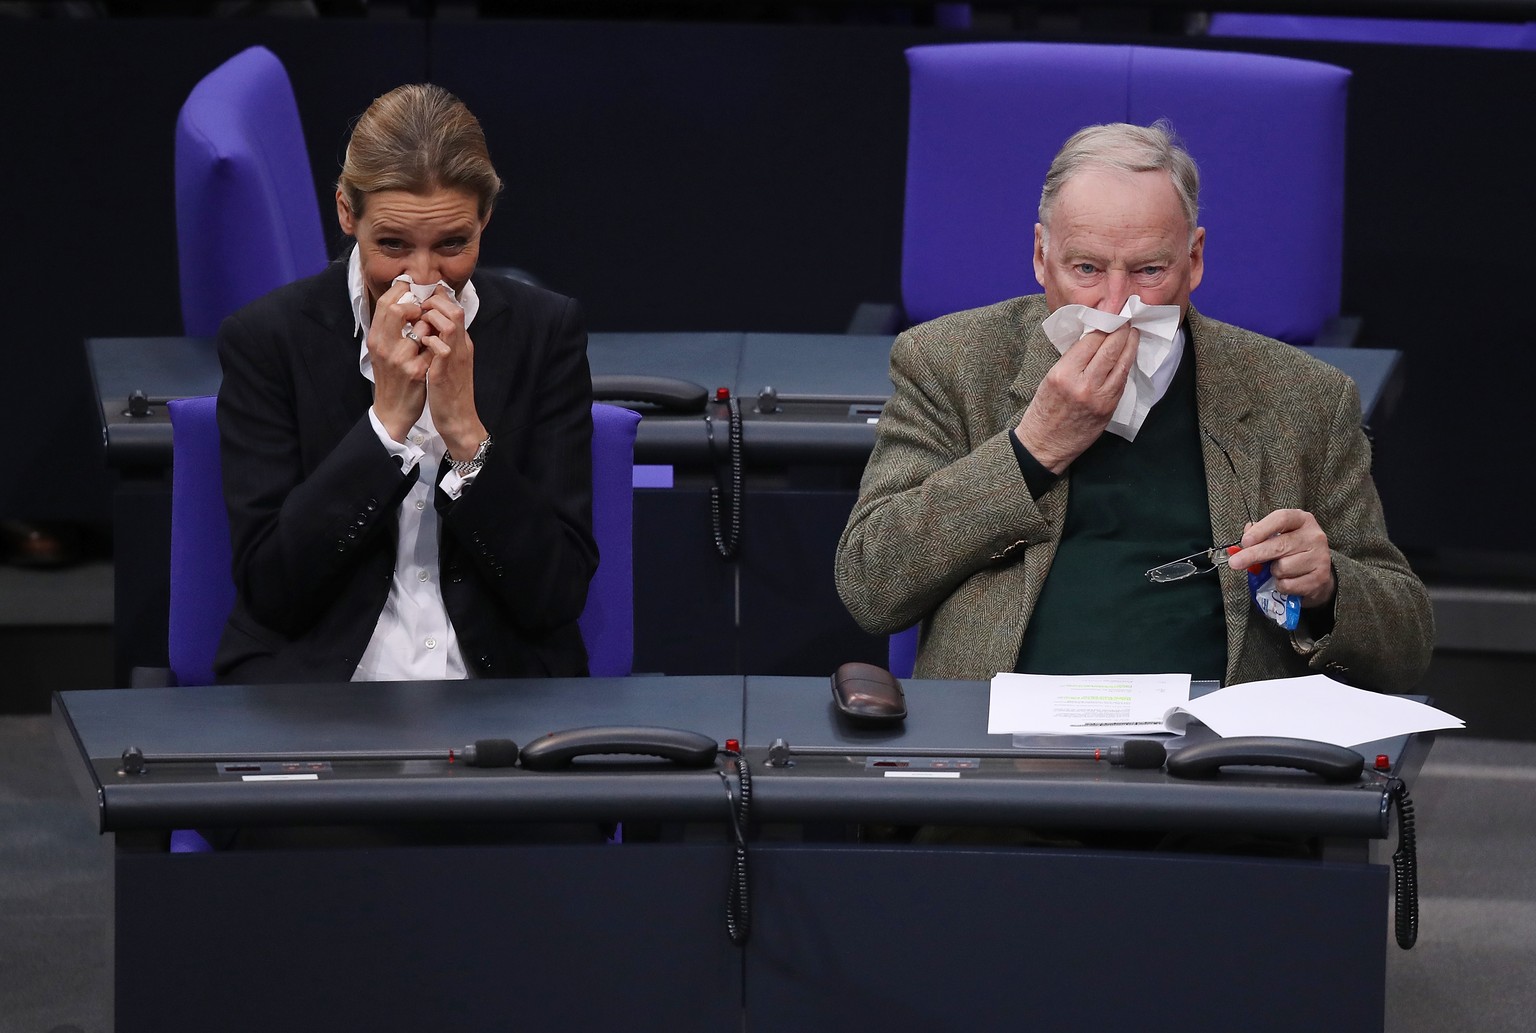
1077	397
451	376
1296	549
399	363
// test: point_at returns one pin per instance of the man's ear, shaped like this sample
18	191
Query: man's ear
1040	254
1197	258
344	214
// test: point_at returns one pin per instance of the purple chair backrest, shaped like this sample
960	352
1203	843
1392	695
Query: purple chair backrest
203	591
1267	132
247	217
1400	31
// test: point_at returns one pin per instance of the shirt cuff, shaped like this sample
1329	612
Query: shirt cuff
454	483
409	455
1036	477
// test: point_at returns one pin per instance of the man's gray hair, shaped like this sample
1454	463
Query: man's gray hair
1128	148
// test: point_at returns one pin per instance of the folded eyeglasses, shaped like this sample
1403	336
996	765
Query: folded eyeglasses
1197	563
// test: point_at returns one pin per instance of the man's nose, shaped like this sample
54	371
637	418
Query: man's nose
1117	290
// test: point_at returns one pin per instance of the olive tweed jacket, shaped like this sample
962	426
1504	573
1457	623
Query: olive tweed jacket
945	531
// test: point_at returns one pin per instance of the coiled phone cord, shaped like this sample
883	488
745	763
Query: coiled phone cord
1405	868
727	544
738	902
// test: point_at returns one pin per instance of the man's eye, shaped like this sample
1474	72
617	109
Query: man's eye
453	246
1086	268
391	244
1151	270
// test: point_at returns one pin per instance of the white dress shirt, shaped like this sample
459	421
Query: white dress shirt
414	639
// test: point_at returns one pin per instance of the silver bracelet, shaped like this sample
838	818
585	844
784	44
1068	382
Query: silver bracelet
464	467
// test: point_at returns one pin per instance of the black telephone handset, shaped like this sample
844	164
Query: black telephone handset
1204	759
669	394
674	395
558	749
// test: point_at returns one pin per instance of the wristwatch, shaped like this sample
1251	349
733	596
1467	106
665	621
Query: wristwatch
465	467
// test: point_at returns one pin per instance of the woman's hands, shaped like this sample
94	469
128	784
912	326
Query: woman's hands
437	364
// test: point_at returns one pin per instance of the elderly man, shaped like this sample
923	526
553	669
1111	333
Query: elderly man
1038	459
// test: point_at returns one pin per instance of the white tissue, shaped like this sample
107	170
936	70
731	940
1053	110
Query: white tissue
1157	324
422	291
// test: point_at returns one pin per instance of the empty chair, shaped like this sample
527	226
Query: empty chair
247	218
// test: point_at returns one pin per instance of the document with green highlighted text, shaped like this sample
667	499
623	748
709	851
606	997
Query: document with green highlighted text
1107	704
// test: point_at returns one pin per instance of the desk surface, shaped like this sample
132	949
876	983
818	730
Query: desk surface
828	381
95	727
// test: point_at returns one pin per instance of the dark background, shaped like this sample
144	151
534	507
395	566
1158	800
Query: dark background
713	175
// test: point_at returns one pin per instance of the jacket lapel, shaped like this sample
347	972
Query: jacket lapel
1036	357
494	360
330	355
1232	473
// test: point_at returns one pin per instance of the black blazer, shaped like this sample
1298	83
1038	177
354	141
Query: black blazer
312	493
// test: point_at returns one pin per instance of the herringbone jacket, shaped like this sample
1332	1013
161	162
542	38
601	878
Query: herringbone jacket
945	531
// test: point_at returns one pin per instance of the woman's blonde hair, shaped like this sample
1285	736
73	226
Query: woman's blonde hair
417	138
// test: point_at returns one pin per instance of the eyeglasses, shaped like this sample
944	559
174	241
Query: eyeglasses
1198	563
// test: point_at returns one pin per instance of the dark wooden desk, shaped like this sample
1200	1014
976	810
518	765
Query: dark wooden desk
440	899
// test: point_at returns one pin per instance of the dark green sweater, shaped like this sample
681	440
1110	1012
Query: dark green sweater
1132	506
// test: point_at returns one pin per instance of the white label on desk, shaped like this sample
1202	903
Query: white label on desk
280	778
922	774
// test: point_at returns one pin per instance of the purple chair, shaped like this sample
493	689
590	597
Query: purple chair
608	621
203	593
247	217
1400	31
202	588
1268	132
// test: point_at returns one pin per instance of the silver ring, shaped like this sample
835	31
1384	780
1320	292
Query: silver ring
409	332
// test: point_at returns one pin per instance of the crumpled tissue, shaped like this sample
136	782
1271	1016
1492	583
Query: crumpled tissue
1158	325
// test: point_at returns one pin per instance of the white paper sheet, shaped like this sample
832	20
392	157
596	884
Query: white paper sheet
1114	704
1314	707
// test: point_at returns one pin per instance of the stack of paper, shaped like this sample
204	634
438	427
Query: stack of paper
1310	707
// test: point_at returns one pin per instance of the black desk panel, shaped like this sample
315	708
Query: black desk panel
320	720
404	895
461	937
1043	794
998	938
447	904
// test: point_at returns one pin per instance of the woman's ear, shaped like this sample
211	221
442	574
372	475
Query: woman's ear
344	215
